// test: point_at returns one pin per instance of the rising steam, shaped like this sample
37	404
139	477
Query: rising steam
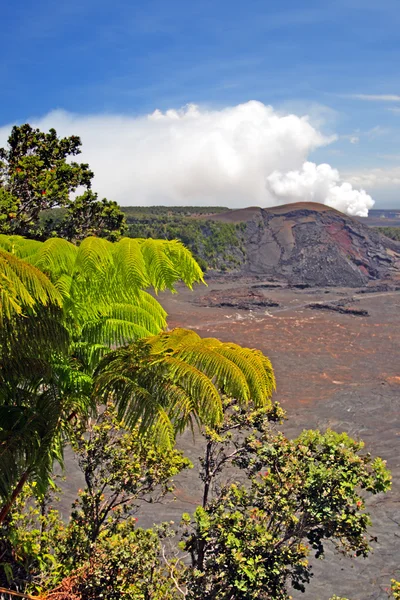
239	156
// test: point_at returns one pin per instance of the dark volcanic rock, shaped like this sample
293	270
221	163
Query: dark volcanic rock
379	288
267	286
312	244
242	299
359	312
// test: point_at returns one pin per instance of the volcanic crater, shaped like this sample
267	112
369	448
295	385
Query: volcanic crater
313	244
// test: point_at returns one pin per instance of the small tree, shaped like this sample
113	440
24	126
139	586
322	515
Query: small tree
100	552
252	540
88	216
121	470
34	169
36	174
9	206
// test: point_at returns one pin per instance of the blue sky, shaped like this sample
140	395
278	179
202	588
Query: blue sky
337	60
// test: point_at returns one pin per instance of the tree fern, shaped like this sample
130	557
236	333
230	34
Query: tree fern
110	331
36	404
62	308
88	308
186	376
23	287
98	278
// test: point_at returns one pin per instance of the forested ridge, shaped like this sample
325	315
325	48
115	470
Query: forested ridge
391	232
215	245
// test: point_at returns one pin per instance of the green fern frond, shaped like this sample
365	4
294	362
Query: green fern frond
171	340
161	428
131	269
55	257
150	320
18	245
185	375
109	331
244	373
94	257
27	442
145	300
182	259
22	287
64	285
89	354
97	274
160	268
205	398
257	369
182	406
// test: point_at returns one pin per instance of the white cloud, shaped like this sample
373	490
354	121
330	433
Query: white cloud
375	179
391	157
376	131
236	156
376	97
353	138
320	183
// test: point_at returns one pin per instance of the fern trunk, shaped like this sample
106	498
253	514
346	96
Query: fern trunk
16	492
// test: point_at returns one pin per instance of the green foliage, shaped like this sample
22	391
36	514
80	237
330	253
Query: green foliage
87	216
27	538
121	469
252	540
176	378
31	334
395	589
9	205
36	175
390	232
249	540
34	169
98	279
55	330
214	244
23	288
127	565
161	211
100	552
33	343
41	391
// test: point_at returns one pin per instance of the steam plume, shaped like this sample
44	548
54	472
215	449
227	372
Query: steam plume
237	156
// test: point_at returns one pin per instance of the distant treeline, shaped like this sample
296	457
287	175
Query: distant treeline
390	232
214	244
133	211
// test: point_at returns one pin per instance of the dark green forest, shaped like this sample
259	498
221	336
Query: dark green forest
215	245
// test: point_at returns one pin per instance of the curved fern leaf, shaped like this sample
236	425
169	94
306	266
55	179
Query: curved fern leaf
23	287
111	332
186	375
149	319
54	257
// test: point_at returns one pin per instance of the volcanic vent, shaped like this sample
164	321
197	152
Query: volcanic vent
309	243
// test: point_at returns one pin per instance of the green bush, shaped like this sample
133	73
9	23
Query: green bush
214	244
